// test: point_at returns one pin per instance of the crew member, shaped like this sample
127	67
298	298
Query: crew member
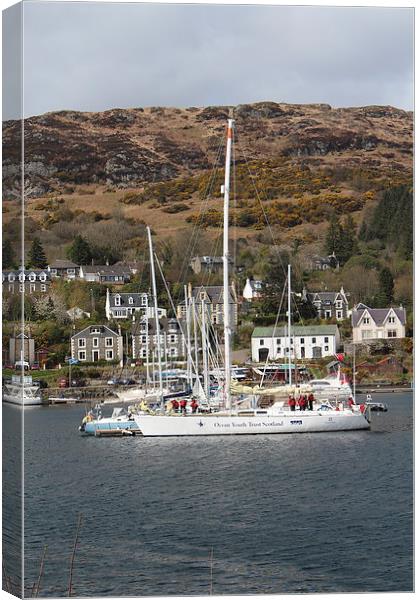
292	402
194	405
175	405
311	401
183	406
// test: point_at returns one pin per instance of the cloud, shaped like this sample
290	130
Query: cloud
96	56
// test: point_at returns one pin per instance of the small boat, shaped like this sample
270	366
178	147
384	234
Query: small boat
120	422
22	391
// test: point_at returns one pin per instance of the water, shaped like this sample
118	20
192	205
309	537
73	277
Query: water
288	513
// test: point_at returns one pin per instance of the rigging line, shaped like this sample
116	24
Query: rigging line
262	209
204	203
274	330
173	308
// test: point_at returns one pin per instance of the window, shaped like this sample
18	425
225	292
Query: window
314	340
261	342
95	330
367	334
21	287
302	340
144	300
144	339
71	271
326	348
286	351
81	342
54	271
339	304
143	353
174	351
32	277
339	314
11	288
109	354
43	287
82	354
32	287
21	276
117	300
95	342
366	320
326	340
278	341
109	342
172	339
328	314
391	319
392	333
130	300
11	277
42	277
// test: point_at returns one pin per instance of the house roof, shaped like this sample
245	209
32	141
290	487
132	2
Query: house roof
378	315
326	296
164	323
62	264
106	269
214	292
124	299
296	330
105	330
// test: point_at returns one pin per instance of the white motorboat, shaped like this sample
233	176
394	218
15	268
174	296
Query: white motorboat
22	391
233	420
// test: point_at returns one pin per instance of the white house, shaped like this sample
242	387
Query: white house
377	323
312	341
123	305
252	289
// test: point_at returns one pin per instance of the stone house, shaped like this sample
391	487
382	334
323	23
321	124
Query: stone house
95	343
329	305
312	341
213	299
207	264
372	324
322	263
171	339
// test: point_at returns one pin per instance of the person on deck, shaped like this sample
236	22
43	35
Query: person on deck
194	405
311	401
175	405
301	403
183	406
292	403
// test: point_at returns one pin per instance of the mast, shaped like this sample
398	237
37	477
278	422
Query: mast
204	344
226	311
147	341
289	323
159	354
187	318
195	335
354	372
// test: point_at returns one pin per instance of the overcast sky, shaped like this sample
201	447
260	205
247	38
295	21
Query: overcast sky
97	56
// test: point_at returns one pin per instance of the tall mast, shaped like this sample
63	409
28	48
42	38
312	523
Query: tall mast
289	323
195	334
226	311
147	341
204	343
159	354
187	319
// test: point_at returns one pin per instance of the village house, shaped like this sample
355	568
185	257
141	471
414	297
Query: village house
124	305
372	324
312	341
171	339
252	289
115	274
21	349
95	343
323	263
30	281
329	305
65	269
207	264
212	296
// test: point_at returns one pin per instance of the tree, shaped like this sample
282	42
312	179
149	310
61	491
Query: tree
348	239
386	285
8	255
80	252
36	256
334	236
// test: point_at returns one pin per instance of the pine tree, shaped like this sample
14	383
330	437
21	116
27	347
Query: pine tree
348	243
36	256
334	236
8	255
80	252
386	285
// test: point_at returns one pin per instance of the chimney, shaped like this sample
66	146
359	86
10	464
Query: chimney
189	293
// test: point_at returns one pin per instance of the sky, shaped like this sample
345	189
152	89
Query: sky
96	56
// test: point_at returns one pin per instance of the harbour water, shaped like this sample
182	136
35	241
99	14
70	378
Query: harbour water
281	514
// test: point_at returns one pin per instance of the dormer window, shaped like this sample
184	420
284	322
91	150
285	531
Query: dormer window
11	276
117	300
42	277
21	276
366	320
130	300
391	319
32	277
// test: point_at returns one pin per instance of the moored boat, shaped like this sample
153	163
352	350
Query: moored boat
22	391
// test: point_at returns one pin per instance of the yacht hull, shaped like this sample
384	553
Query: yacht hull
305	422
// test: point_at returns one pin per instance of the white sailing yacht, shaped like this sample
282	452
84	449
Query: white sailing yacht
233	420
